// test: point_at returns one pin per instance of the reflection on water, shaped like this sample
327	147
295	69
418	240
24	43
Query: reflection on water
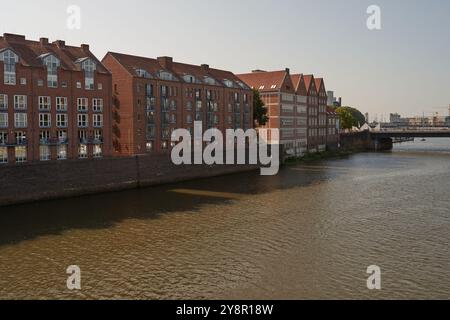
310	232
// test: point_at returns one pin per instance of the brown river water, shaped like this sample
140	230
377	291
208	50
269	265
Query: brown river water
308	233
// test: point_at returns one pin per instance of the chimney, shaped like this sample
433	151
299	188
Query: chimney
85	47
43	41
205	67
340	101
61	44
165	62
288	70
13	37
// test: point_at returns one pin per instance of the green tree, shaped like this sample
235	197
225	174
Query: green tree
350	117
259	109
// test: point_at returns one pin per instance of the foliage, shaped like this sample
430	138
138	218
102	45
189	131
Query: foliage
259	109
350	117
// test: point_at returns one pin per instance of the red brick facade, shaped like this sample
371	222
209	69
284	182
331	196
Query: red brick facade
153	97
54	102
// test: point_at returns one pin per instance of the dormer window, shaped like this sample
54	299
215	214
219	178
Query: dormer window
210	81
52	63
9	59
165	75
228	83
88	66
143	73
189	78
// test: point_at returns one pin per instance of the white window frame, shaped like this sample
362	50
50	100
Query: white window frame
45	120
4	120
97	120
20	120
61	104
20	102
82	104
83	120
97	105
61	120
45	103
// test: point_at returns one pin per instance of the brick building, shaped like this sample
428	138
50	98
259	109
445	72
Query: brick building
333	129
285	98
54	101
153	97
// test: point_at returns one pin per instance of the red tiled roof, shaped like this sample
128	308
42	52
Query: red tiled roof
264	81
308	80
296	80
319	82
153	66
29	52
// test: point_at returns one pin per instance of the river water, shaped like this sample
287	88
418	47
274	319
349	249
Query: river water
310	232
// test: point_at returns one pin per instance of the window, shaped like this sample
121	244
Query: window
44	153
44	120
61	120
61	104
3	155
21	154
9	59
61	151
3	101
23	81
20	120
82	135
52	63
149	145
82	104
64	84
100	86
44	103
21	137
189	106
44	136
143	73
40	83
78	85
97	105
83	120
97	152
164	75
3	137
98	136
3	120
188	118
62	136
20	102
98	120
82	151
89	68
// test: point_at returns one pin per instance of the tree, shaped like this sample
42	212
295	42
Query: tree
350	117
259	109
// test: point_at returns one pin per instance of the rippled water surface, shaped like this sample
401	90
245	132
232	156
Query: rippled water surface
310	232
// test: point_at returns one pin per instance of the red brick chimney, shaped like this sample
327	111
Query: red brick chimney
165	62
85	47
60	43
43	41
205	67
13	37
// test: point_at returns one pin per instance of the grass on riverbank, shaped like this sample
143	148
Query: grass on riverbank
312	157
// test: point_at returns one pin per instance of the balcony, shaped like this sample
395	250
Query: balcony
54	141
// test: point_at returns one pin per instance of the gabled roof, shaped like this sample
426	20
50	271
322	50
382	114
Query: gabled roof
320	84
309	82
31	52
265	81
153	66
299	84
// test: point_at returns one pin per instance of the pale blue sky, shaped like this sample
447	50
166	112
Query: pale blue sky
405	67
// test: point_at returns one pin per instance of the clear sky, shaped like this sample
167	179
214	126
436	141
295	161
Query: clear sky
404	67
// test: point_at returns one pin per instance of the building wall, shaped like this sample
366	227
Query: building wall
32	131
135	111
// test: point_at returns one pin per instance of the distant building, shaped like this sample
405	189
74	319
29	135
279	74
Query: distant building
333	129
332	101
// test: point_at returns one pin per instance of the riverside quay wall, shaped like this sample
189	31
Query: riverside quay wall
364	141
51	180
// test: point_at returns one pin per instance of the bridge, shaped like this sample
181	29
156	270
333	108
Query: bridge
411	133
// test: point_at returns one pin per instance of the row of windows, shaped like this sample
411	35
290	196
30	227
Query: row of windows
45	103
21	120
20	153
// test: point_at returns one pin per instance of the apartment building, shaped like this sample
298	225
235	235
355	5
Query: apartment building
322	114
285	98
54	101
153	97
333	129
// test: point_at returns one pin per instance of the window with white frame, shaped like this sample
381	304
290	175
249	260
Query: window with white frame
3	101
97	105
9	59
52	63
89	68
82	104
44	103
98	135
3	137
82	151
44	136
3	120
83	121
61	120
3	155
97	152
98	120
44	120
61	152
21	154
44	153
61	104
20	120
20	102
21	137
